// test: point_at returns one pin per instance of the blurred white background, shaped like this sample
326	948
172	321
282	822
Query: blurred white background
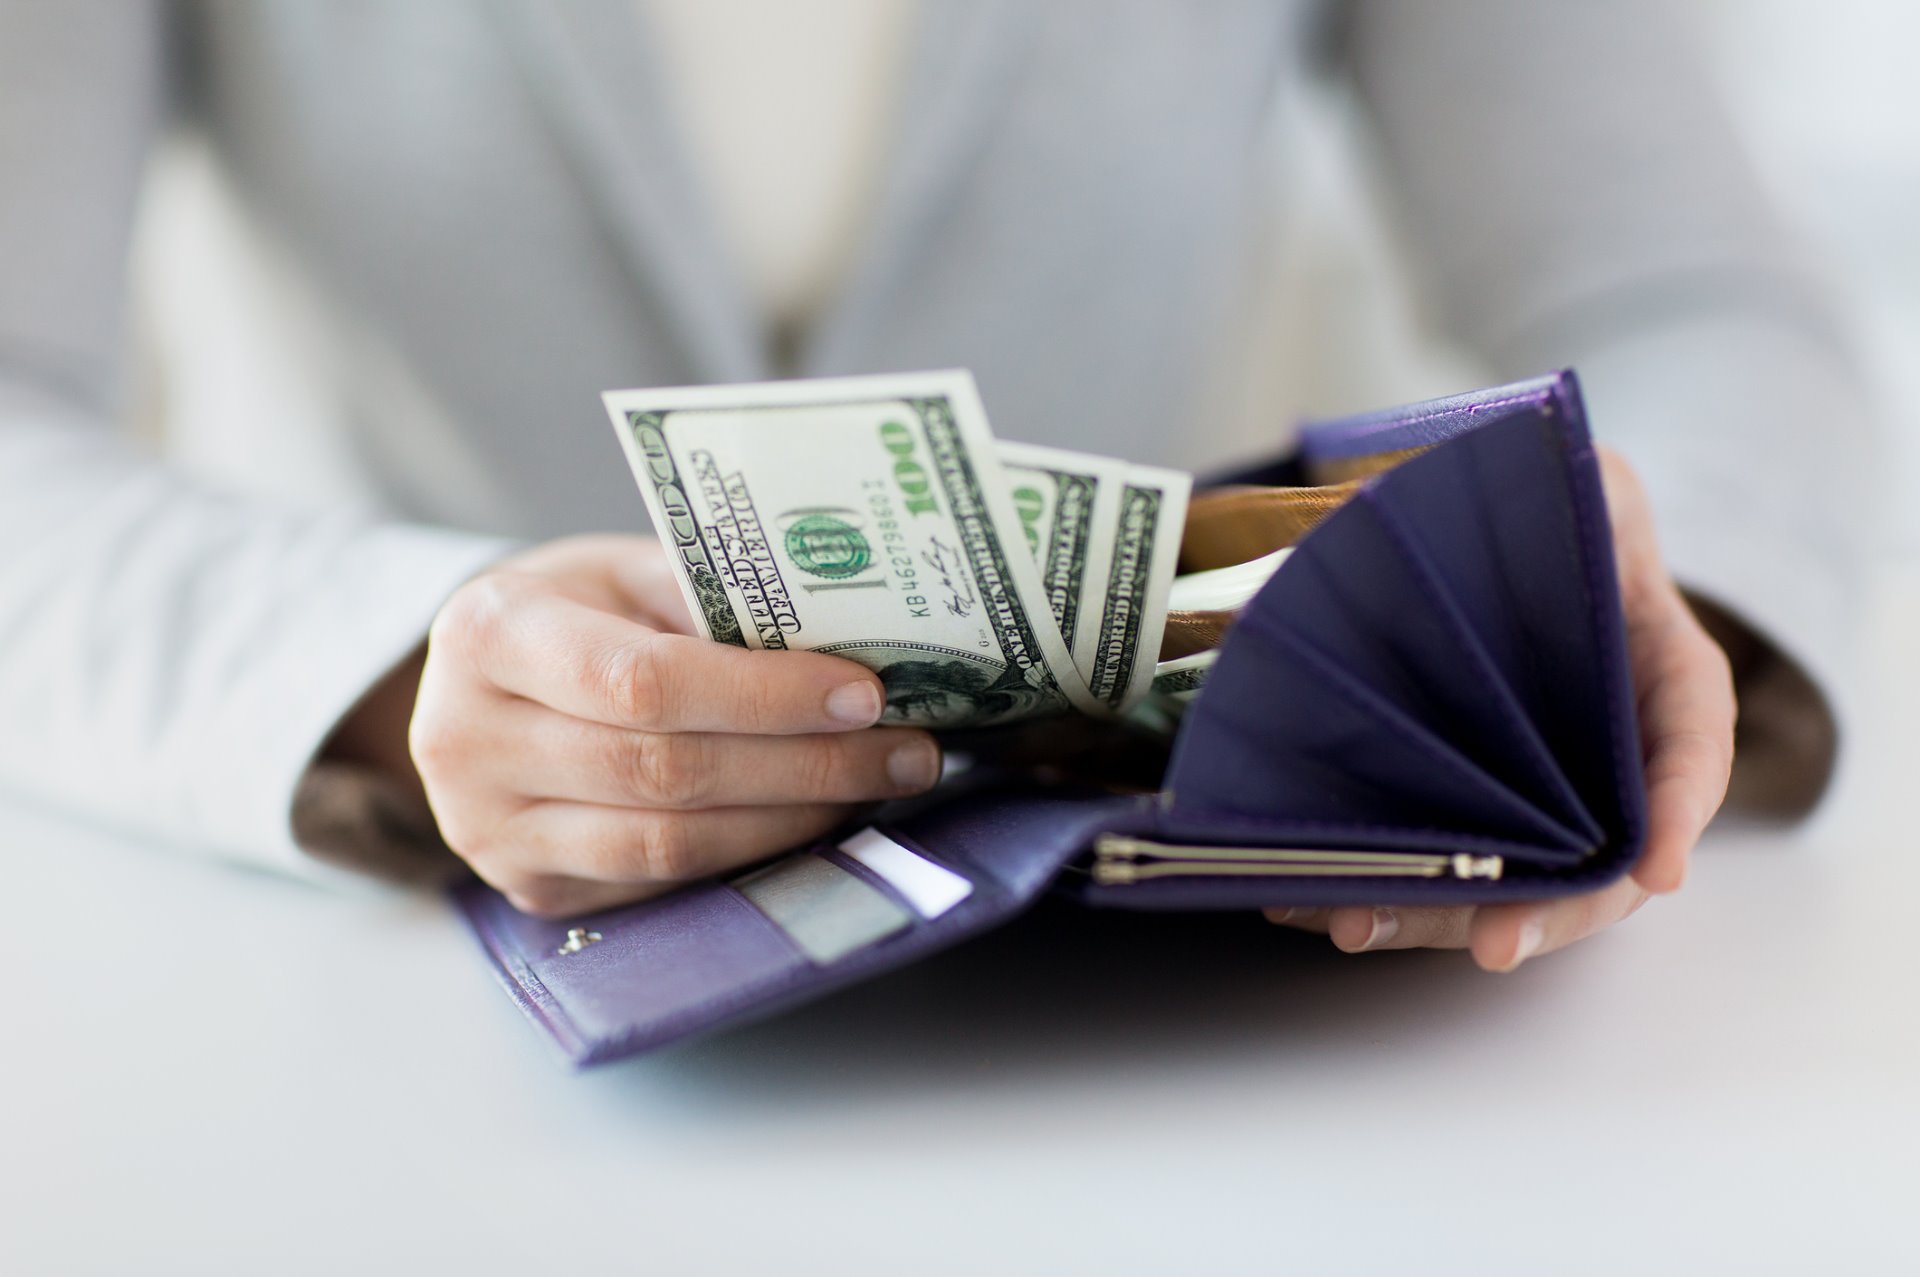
1829	98
235	363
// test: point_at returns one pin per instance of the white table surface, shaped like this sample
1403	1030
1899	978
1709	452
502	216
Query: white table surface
211	1071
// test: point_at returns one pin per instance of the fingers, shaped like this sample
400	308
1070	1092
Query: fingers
527	639
1359	930
531	750
589	856
1504	936
620	573
1501	936
558	896
1300	918
1636	547
1686	726
578	755
1684	687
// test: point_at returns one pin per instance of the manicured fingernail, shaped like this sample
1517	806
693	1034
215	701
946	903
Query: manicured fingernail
1531	934
855	703
1386	925
914	766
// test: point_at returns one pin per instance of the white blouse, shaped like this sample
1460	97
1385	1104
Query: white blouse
785	111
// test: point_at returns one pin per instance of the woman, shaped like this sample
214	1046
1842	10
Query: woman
515	206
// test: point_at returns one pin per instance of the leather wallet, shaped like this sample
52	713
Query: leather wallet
1428	703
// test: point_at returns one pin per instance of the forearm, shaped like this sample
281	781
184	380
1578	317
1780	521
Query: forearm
174	658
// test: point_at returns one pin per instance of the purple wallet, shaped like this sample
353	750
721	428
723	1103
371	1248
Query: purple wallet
1429	703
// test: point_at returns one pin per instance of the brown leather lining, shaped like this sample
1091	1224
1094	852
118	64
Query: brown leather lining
1347	469
1237	524
1190	632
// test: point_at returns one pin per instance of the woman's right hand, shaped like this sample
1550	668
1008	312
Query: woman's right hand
582	747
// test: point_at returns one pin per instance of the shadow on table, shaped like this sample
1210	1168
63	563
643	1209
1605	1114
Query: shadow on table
1065	992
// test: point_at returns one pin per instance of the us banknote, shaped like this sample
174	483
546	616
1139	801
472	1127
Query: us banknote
867	517
1106	534
1066	503
1143	556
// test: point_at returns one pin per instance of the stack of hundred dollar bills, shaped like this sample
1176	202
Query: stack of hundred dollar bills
878	519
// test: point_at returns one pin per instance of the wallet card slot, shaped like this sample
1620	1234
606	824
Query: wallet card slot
824	909
918	881
648	974
847	864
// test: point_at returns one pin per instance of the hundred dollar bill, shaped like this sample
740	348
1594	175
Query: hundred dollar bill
1067	503
1148	524
867	517
1070	506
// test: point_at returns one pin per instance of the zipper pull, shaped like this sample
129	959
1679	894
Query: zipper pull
1487	867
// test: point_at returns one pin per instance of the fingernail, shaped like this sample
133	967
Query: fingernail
855	703
914	766
1531	934
1386	925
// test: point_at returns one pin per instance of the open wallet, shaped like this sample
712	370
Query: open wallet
1429	702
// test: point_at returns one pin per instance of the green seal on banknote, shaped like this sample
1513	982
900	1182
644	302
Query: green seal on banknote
828	547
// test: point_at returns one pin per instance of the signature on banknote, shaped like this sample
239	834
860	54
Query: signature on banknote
947	566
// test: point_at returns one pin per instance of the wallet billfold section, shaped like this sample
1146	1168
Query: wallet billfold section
1428	703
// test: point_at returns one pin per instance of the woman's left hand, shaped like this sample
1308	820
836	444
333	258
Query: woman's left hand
1685	694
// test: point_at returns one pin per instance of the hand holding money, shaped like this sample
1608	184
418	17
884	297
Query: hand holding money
582	747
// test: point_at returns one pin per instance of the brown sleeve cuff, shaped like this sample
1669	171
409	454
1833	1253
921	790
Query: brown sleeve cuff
1786	740
354	817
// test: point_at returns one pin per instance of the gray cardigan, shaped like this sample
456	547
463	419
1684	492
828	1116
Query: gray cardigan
494	193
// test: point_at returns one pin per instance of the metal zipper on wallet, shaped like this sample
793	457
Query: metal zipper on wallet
1120	860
